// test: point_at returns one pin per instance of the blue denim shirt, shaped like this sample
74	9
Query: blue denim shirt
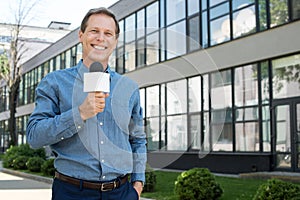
102	148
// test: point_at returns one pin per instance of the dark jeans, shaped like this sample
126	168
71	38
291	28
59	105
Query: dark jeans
65	191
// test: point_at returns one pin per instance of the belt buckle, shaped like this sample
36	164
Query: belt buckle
103	189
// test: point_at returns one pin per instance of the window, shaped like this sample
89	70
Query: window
245	85
176	32
194	86
175	10
176	97
286	81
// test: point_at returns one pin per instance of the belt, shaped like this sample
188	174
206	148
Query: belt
104	186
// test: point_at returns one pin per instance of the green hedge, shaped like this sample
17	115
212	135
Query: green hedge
23	157
278	189
197	184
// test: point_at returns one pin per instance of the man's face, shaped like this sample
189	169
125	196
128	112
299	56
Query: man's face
98	40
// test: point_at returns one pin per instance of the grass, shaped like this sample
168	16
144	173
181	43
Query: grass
233	188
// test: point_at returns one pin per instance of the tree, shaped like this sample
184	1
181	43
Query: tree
10	66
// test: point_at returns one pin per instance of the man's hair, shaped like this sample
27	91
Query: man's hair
100	10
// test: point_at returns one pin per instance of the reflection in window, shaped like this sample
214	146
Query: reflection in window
130	43
219	10
152	18
221	90
195	94
141	58
237	4
195	132
283	132
247	136
215	2
204	29
152	48
220	30
140	24
295	10
221	135
266	130
245	86
176	33
176	97
264	73
206	93
152	130
177	133
278	12
193	7
244	22
286	78
194	33
152	101
175	10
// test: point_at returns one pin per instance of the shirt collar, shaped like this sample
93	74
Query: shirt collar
84	69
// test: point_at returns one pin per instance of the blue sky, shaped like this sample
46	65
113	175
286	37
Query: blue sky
46	11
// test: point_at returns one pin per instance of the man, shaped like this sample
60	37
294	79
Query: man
97	138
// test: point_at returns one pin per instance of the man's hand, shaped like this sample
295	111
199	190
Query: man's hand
138	186
93	104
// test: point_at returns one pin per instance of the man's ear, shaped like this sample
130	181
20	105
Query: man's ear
80	33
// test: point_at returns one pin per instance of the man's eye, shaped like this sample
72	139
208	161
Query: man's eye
108	34
94	31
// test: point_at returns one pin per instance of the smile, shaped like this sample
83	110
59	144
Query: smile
99	47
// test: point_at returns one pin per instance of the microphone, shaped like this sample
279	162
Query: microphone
96	80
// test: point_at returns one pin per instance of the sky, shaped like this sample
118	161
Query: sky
45	11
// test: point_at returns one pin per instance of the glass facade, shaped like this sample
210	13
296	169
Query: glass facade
226	111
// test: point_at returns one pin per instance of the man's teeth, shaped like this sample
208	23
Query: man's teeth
99	48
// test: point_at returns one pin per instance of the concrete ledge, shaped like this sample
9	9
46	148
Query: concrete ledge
285	176
27	175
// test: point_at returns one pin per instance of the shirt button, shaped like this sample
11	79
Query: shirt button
79	127
62	138
101	142
103	177
101	123
102	160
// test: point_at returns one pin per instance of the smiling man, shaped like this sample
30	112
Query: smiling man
97	138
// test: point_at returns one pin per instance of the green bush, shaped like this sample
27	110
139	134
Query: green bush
10	155
47	167
197	184
13	152
277	189
34	164
150	179
20	162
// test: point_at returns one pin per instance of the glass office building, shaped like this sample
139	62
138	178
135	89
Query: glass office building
219	81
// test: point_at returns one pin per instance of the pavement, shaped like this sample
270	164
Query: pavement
16	185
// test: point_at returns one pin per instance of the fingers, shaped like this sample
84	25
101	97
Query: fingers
93	104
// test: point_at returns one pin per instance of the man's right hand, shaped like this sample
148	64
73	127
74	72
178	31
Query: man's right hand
93	104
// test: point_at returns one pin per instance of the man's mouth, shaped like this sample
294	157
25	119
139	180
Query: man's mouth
99	47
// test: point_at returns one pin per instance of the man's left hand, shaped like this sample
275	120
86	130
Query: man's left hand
138	186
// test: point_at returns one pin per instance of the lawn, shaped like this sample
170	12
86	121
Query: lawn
233	188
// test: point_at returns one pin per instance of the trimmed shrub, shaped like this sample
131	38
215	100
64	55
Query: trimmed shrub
277	189
10	155
47	167
150	179
34	164
13	152
197	184
20	162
